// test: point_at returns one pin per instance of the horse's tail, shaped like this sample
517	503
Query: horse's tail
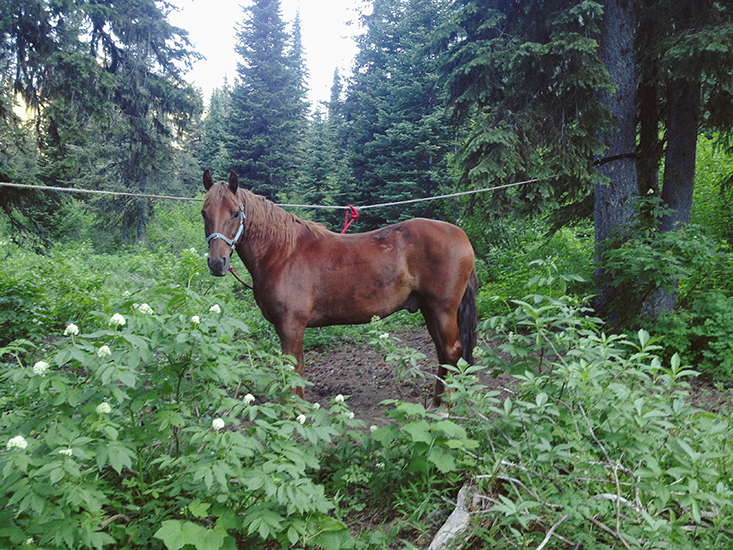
468	318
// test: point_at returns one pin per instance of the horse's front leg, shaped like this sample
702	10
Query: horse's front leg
291	341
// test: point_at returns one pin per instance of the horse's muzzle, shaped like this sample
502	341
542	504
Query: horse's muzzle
218	266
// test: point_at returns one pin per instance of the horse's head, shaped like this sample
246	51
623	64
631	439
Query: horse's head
223	221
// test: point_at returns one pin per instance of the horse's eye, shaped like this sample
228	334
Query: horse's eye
235	214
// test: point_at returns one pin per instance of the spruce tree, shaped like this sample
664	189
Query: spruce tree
398	135
268	107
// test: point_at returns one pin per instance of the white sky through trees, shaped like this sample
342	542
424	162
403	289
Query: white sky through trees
328	28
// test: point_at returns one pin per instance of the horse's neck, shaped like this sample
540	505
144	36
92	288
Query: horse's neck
259	255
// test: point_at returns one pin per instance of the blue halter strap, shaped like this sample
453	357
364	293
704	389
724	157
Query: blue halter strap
231	242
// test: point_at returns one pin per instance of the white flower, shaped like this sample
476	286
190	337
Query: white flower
217	424
248	398
301	418
215	309
384	336
103	352
104	408
316	406
29	541
195	320
40	368
145	309
71	330
18	442
373	429
339	398
192	250
117	320
66	452
349	415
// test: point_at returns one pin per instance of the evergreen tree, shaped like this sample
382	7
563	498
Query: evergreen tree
268	107
397	134
105	77
522	81
212	150
326	178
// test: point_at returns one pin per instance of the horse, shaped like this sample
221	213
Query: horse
304	275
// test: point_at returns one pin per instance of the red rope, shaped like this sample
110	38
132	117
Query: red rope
351	211
231	270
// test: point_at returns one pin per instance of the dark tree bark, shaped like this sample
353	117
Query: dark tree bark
679	165
612	199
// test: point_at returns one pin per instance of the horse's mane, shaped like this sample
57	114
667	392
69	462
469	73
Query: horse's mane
266	221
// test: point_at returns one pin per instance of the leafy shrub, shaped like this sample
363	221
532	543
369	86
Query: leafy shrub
703	335
597	444
638	260
712	205
24	311
505	270
126	434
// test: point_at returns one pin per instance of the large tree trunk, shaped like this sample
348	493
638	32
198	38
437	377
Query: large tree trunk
679	165
678	184
612	200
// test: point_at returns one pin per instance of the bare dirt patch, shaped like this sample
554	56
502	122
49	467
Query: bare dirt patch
357	371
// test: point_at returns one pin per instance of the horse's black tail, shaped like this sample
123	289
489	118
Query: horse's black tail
468	318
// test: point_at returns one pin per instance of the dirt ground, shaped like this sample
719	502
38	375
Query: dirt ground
357	371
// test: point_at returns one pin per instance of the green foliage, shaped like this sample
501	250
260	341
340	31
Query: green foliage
712	206
132	432
637	260
505	268
397	136
523	85
703	334
597	443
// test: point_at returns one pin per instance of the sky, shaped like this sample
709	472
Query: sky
328	39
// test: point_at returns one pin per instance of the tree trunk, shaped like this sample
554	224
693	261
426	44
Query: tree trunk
678	184
612	200
679	165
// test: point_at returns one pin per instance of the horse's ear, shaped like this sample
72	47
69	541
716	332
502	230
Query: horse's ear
233	182
208	180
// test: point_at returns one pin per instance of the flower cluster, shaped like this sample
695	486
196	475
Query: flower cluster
103	352
117	320
215	309
217	424
104	408
249	398
40	368
66	452
196	320
71	330
17	442
145	309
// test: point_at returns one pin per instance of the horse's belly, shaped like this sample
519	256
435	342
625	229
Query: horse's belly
359	304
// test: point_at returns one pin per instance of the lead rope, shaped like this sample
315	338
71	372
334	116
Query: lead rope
231	270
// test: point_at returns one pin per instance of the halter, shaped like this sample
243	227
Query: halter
231	242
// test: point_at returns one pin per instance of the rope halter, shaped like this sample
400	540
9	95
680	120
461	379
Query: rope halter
230	242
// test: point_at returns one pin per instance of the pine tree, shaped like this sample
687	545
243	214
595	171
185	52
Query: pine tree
268	108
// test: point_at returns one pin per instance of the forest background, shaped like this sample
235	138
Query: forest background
617	114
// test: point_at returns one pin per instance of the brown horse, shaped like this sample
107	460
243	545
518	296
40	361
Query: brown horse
306	276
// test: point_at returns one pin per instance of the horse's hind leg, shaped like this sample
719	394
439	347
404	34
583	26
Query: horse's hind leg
443	328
